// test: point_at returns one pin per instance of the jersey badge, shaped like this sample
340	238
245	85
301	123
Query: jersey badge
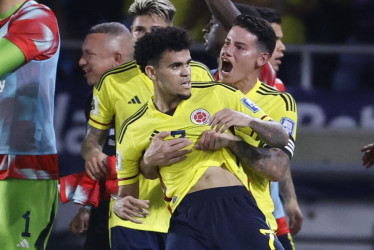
95	105
249	104
288	125
2	85
200	117
174	199
118	160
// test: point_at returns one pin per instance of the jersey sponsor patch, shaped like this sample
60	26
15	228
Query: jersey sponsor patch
118	160
200	117
288	125
2	85
174	199
95	105
249	104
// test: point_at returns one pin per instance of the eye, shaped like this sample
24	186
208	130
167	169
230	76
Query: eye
139	29
175	65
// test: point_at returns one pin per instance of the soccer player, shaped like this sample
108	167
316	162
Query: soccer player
213	35
106	46
29	49
121	92
207	194
368	157
285	186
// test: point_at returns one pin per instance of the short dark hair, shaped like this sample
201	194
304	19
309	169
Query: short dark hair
246	9
261	29
270	15
150	47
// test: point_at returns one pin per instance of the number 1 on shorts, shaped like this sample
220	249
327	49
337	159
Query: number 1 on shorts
26	216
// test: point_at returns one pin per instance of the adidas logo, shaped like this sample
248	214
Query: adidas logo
135	100
24	244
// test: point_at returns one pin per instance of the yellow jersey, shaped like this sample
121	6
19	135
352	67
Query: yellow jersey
189	120
281	107
119	94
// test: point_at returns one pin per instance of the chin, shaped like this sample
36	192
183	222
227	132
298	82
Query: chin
184	97
91	83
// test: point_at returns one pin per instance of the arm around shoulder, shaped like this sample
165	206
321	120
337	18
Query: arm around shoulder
272	163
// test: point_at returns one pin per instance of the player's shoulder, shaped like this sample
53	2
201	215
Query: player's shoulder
199	65
33	10
200	72
121	73
277	96
213	85
132	119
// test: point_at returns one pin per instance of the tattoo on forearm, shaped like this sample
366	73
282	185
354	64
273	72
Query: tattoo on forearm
95	139
251	156
268	132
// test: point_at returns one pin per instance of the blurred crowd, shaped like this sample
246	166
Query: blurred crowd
317	22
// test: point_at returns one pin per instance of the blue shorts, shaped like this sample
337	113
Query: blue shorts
123	238
287	241
220	218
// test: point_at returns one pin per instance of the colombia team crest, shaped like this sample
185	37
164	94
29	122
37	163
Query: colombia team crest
200	117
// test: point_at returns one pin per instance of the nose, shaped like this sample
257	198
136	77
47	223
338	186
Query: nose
228	50
186	70
82	62
206	29
282	47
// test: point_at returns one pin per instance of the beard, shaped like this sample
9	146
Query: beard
184	97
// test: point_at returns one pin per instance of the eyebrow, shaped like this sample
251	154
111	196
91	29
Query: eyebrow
139	26
180	63
241	43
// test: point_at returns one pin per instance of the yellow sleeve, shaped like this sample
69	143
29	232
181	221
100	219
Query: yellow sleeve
102	110
248	107
285	112
128	157
200	72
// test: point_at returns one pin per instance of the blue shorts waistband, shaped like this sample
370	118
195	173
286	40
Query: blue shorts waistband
214	193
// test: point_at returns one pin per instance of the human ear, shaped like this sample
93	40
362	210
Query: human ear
150	71
262	59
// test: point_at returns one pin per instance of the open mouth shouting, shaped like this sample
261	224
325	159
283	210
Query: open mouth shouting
226	67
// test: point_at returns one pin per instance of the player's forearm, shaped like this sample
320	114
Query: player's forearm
286	187
148	170
271	163
224	11
95	139
270	132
